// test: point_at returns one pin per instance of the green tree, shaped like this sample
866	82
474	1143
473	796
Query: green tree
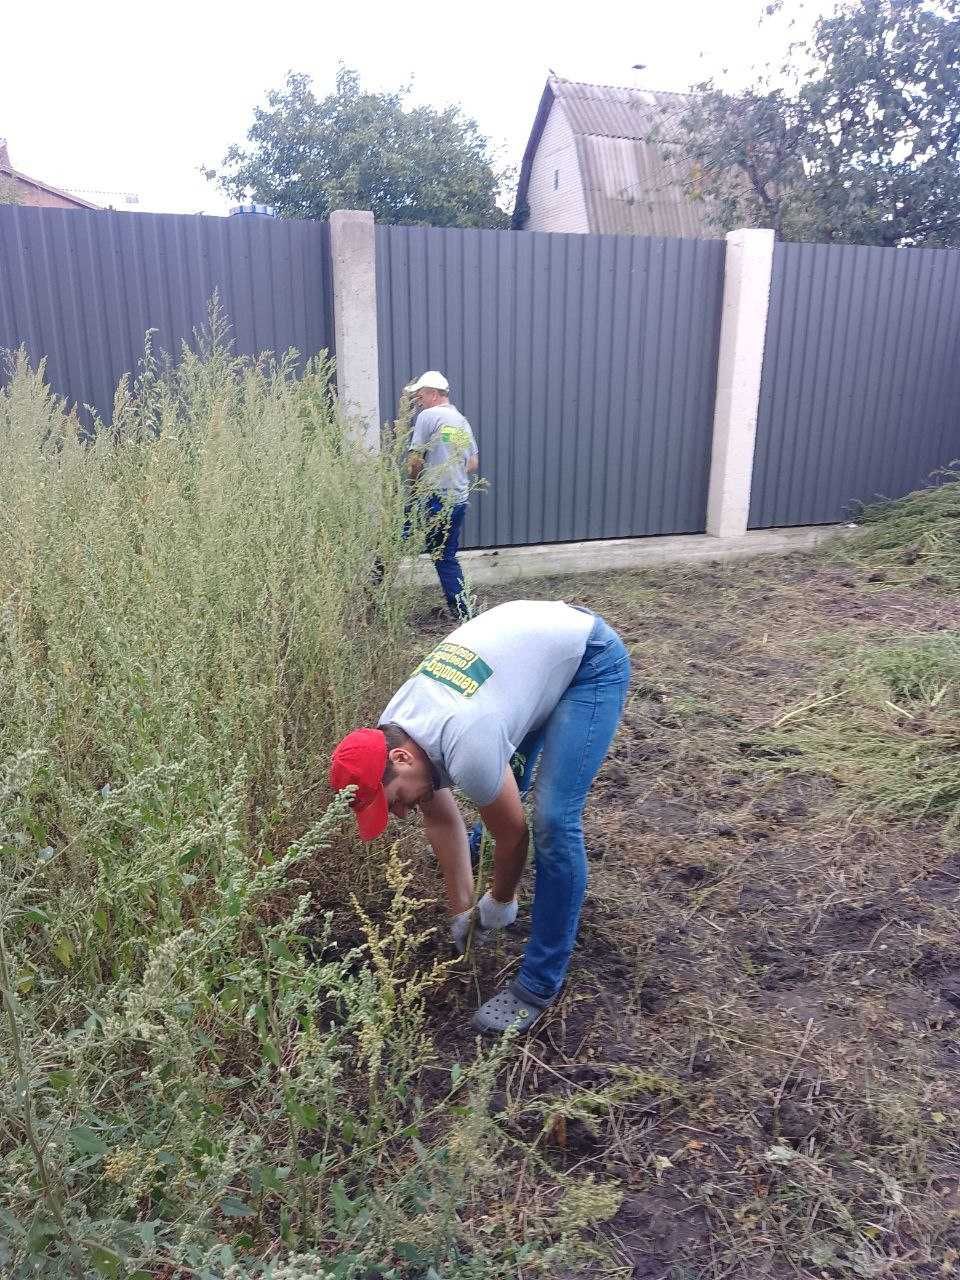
360	150
864	149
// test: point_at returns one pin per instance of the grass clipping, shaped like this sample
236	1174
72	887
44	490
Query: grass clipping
914	537
886	720
886	725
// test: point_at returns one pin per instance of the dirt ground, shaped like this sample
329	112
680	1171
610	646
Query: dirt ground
758	1042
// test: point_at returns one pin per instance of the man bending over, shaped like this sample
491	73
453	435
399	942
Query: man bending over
539	680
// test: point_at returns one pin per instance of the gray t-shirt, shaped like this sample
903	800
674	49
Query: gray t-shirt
476	696
445	438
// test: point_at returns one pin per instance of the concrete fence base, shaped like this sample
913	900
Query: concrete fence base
512	564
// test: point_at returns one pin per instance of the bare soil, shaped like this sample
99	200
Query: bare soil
759	1038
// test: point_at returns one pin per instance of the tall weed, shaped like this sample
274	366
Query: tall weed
195	1075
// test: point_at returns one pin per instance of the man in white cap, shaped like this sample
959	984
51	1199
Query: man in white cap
442	456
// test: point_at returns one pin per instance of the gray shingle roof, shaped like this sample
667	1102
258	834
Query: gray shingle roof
603	111
631	187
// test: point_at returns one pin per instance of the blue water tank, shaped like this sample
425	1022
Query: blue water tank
252	210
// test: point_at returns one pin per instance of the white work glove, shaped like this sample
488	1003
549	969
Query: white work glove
495	915
490	916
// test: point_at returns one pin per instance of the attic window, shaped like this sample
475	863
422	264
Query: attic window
556	179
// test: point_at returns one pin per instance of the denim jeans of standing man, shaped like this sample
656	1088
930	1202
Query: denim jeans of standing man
570	748
444	526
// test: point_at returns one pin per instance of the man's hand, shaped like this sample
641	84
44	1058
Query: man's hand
488	916
460	929
495	915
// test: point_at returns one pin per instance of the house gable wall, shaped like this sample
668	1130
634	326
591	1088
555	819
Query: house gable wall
555	191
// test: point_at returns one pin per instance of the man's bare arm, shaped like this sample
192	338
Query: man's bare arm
505	820
444	827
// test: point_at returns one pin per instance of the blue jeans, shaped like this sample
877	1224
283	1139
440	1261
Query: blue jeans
570	747
444	525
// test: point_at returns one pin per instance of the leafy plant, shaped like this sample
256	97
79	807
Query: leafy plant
859	142
354	149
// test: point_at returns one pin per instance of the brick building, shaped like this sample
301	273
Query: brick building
19	188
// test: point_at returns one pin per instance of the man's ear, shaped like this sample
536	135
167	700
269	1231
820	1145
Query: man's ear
400	755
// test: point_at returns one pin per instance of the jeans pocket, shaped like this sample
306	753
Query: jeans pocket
604	661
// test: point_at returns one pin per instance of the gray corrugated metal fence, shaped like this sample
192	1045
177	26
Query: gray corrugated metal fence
860	395
586	365
82	288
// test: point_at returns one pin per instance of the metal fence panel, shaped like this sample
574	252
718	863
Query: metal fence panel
585	363
860	393
82	288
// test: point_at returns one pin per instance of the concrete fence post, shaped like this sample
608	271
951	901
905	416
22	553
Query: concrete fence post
354	271
743	329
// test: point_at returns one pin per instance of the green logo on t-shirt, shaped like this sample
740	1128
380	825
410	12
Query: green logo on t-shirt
455	435
458	668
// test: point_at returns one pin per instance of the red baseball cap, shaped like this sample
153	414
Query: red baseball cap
360	760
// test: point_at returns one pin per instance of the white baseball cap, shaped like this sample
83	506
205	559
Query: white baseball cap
433	379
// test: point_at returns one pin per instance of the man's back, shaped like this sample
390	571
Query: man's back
486	686
445	438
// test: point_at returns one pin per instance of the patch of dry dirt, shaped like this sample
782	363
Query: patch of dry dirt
779	980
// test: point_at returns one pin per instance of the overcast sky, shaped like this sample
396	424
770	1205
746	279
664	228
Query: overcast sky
109	97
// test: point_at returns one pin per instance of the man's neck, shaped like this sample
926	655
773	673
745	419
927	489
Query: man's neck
434	773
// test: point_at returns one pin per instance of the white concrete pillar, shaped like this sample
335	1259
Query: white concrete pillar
746	295
354	270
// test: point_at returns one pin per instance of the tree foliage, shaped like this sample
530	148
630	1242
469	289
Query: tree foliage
864	149
359	150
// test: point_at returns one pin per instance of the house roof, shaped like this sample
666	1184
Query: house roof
8	171
630	187
604	111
